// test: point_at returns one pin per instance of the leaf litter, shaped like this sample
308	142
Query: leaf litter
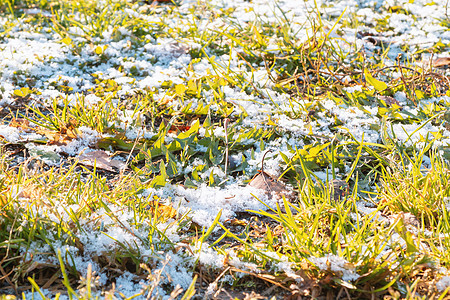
100	159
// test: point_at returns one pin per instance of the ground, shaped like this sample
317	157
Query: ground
224	149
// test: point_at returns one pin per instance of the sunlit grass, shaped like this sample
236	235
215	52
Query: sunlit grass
386	236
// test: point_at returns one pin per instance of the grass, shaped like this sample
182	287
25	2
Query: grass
226	91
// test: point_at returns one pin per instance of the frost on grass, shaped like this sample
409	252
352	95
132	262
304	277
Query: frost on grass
443	283
205	203
336	264
153	66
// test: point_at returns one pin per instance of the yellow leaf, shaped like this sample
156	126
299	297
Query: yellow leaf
180	89
163	211
67	41
72	133
377	84
98	50
22	92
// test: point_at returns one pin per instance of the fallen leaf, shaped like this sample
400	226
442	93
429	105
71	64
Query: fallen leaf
166	99
179	128
377	84
236	222
270	185
163	211
54	137
101	160
67	133
72	133
70	129
21	123
441	62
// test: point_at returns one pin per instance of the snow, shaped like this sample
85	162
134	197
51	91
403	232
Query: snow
205	203
443	283
335	263
41	56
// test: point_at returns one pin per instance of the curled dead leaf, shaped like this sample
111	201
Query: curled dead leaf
66	133
270	185
166	99
236	222
177	128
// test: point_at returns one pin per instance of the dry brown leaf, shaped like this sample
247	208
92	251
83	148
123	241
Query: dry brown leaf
101	160
441	62
21	123
236	222
166	99
70	129
66	133
53	136
58	138
72	133
270	185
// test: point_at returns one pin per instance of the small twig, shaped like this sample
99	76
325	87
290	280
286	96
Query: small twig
394	67
216	281
348	295
156	280
268	70
6	277
251	81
